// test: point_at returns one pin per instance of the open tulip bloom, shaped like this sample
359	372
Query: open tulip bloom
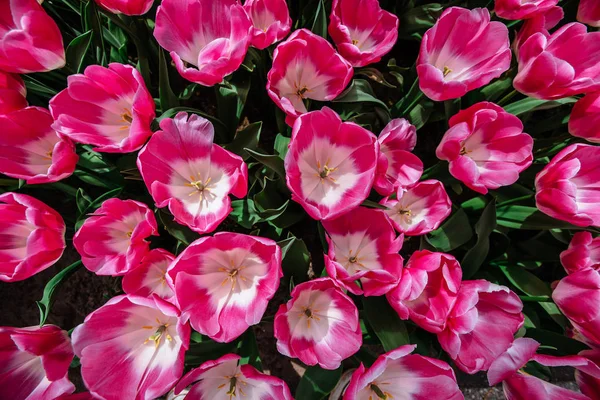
207	39
539	22
363	247
223	283
34	363
522	9
112	241
226	379
583	253
132	348
319	325
150	277
398	374
271	21
184	170
127	7
330	165
109	108
362	31
32	236
306	67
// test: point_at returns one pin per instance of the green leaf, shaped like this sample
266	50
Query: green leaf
168	99
386	324
531	104
523	217
420	113
476	255
178	231
359	92
281	145
248	350
170	113
419	19
271	161
319	26
93	205
317	383
244	213
76	51
375	75
45	302
82	200
246	138
564	346
372	204
295	258
455	232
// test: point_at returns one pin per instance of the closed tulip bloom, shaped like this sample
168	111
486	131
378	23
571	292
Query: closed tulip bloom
362	31
223	283
427	290
271	21
398	374
184	170
550	67
363	247
462	52
589	12
32	236
396	166
150	277
34	363
12	93
583	253
330	165
127	7
539	22
519	385
131	348
207	39
567	188
109	108
577	296
483	310
112	241
522	9
30	149
30	40
418	209
319	325
305	67
224	379
486	147
584	121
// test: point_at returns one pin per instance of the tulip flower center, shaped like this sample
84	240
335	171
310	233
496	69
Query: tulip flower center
127	118
300	91
380	393
233	274
158	334
234	386
464	151
325	172
446	71
310	315
354	42
201	188
354	260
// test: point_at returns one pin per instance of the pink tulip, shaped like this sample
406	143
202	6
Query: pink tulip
462	52
362	31
131	348
271	21
427	290
12	93
418	209
185	170
225	378
109	108
34	363
482	311
589	12
486	147
32	236
398	374
589	383
112	241
127	7
585	118
208	39
397	166
150	277
518	385
30	41
522	9
583	253
363	247
32	150
305	67
540	22
319	325
77	396
567	188
550	67
577	296
223	283
330	165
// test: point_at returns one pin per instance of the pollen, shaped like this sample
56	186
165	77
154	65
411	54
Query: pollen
160	332
232	275
325	172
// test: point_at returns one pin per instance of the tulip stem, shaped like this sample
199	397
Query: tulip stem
515	200
506	98
536	299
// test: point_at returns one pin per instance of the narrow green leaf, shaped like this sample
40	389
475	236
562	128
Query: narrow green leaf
372	204
82	200
246	138
168	99
46	301
476	255
359	92
531	104
244	213
248	350
317	383
281	145
386	324
564	346
76	51
319	26
295	259
271	161
178	231
455	232
524	217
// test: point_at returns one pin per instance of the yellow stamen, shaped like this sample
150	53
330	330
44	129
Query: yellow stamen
446	71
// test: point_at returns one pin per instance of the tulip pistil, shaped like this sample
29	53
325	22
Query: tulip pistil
234	386
158	334
325	172
310	315
446	71
380	393
127	118
233	274
199	186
